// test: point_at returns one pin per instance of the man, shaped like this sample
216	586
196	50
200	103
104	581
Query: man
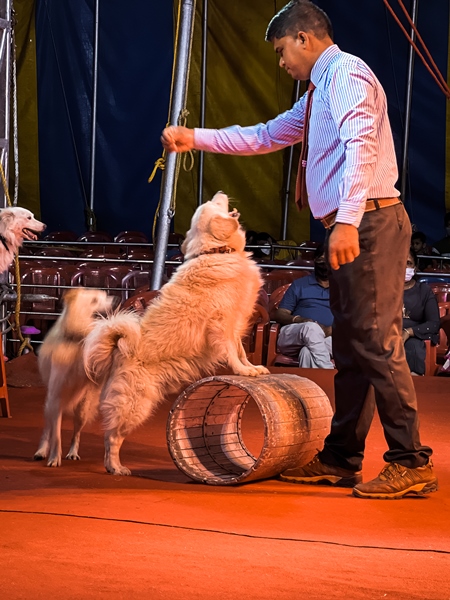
350	177
306	318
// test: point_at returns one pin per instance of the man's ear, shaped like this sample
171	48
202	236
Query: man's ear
223	228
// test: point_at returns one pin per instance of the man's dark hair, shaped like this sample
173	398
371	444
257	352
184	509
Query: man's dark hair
419	235
299	15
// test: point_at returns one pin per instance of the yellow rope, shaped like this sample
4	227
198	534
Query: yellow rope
25	342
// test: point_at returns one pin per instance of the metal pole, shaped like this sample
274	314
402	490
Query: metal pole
409	90
5	100
201	155
90	217
168	185
288	176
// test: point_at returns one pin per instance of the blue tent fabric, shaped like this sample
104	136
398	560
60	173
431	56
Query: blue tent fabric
136	53
368	30
134	74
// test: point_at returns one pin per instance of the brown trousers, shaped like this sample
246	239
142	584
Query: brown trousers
366	299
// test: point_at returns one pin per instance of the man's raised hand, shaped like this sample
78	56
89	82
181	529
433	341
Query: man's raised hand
177	139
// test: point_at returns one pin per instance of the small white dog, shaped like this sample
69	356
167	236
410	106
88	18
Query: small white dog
16	225
195	325
61	367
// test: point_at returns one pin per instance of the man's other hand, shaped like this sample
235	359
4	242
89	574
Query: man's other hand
343	245
177	139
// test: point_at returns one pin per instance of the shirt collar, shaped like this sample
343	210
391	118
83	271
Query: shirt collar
322	63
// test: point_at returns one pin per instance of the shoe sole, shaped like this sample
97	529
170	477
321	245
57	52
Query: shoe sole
420	489
331	480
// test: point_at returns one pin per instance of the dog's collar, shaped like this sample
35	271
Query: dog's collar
3	241
219	250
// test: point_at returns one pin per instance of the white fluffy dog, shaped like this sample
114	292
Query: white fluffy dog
195	325
16	225
61	366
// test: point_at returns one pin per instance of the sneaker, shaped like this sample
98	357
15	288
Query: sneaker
318	473
395	481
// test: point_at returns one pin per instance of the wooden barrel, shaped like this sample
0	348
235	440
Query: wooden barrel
204	432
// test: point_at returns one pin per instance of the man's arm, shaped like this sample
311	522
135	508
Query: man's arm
285	130
283	316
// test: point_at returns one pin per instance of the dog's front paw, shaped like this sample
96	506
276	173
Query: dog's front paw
120	470
262	370
249	371
73	456
54	462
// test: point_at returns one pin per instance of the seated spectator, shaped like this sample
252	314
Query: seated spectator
284	253
443	246
420	317
419	245
264	239
306	318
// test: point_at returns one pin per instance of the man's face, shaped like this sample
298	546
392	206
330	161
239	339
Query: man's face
294	55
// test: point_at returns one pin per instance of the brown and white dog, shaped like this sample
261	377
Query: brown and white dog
16	225
194	326
61	366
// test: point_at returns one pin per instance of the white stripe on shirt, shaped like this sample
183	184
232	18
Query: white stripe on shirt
351	154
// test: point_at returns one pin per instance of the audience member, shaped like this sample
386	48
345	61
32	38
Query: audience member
419	245
306	318
443	246
420	317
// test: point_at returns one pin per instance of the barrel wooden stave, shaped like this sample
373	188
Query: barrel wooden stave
204	429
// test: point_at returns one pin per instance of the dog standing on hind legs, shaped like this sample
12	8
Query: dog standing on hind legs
61	367
193	327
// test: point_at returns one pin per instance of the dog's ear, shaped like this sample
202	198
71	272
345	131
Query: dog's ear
6	215
222	228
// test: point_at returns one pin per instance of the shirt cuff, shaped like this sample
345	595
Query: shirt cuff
350	214
204	139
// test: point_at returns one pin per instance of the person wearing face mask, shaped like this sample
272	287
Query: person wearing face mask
306	318
421	319
443	245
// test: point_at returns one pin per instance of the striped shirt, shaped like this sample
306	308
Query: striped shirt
351	154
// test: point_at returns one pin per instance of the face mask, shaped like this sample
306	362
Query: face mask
409	273
321	271
266	250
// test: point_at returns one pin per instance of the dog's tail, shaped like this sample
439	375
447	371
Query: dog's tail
122	331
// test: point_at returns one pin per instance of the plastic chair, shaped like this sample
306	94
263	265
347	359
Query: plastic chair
278	277
95	236
45	281
255	341
63	236
102	277
273	356
131	237
135	281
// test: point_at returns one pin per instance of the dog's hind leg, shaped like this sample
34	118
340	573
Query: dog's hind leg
80	417
53	416
42	450
129	401
113	444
